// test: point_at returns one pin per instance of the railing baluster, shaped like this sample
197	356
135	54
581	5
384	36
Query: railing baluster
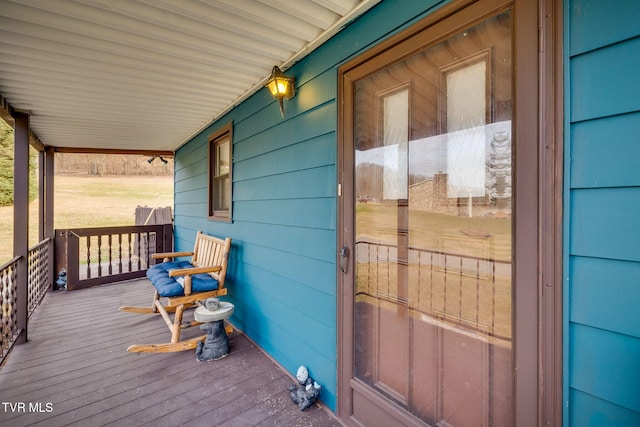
419	282
431	285
88	239
377	270
119	252
147	252
477	293
444	308
139	249
99	255
460	285
129	249
493	300
388	272
110	254
369	269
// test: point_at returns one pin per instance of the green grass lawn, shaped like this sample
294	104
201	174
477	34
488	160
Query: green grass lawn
90	201
483	237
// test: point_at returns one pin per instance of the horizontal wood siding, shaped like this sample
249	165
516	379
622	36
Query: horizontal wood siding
282	269
607	150
602	205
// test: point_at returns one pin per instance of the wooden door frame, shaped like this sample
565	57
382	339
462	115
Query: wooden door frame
537	204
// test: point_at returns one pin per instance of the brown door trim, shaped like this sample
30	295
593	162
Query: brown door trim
538	95
539	121
551	93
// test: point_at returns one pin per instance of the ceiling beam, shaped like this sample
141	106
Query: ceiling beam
5	110
7	113
76	150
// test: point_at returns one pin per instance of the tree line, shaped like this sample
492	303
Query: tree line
72	164
110	164
6	167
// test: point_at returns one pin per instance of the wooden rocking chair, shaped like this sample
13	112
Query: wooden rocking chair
185	284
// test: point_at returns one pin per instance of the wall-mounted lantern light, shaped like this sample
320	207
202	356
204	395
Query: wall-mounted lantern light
281	87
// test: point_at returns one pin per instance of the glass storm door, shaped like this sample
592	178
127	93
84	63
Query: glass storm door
430	286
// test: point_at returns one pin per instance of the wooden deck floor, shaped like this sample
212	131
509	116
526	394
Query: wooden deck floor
75	371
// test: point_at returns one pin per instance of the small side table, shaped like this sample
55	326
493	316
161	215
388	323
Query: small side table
216	344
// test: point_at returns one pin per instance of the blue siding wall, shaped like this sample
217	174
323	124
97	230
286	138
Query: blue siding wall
603	213
282	274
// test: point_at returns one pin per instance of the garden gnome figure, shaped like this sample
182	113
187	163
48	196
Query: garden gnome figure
61	282
306	392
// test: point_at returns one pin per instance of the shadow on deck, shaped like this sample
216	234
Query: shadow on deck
75	370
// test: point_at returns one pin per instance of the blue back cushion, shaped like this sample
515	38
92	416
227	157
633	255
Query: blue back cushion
170	287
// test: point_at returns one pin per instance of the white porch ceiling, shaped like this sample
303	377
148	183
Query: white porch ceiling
148	74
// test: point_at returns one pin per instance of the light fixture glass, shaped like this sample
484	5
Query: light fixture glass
281	87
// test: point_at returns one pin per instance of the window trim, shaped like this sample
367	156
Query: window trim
223	134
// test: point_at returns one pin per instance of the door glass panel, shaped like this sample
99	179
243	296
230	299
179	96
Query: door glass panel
433	229
395	123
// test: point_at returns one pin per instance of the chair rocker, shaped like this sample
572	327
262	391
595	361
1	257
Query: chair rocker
185	284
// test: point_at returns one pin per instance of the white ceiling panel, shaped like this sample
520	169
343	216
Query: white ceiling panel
148	74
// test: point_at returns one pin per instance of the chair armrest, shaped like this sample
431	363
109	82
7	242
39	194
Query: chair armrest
194	270
170	254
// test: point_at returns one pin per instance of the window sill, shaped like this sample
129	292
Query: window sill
220	218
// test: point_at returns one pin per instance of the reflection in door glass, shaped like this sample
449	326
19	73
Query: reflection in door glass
433	214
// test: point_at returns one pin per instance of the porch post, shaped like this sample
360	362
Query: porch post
21	218
41	195
49	232
48	192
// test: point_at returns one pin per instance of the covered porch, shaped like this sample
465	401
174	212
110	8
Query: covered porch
75	370
187	79
136	78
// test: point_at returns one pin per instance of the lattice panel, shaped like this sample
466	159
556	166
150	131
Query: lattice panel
8	304
38	274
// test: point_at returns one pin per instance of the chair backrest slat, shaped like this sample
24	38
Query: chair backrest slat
210	251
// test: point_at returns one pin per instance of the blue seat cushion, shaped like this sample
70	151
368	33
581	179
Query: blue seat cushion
170	287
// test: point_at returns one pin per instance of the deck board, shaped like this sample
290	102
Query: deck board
76	370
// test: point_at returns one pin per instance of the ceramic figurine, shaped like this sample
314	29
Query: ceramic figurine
61	282
216	345
302	375
306	392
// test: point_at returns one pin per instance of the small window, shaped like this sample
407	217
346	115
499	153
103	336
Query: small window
220	149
